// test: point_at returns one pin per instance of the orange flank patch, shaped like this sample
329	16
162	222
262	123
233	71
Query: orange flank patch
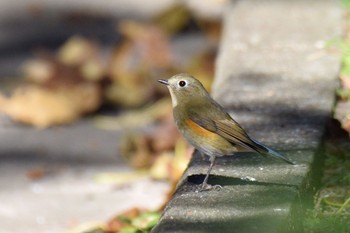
200	131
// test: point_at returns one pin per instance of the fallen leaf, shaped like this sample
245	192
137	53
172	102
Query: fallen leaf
58	89
88	227
345	80
37	173
43	107
170	166
38	70
146	220
129	230
161	168
119	178
122	222
173	19
77	50
183	154
150	42
165	136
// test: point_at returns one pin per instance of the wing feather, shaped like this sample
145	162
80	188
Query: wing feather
224	126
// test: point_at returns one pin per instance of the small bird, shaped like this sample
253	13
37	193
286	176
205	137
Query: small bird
206	125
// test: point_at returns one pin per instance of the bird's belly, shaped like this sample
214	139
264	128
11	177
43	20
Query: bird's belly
206	141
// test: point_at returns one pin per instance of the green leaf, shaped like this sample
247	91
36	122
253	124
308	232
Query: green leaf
346	3
146	220
129	230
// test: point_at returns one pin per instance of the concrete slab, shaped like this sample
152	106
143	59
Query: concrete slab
67	196
277	77
274	72
230	209
254	168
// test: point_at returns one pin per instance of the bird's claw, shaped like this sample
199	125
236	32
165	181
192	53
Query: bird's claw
207	187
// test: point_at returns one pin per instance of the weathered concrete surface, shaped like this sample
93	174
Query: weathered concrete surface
277	78
227	210
67	195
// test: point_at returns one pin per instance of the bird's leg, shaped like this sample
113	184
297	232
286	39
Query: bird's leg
205	185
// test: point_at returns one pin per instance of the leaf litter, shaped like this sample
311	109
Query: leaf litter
77	80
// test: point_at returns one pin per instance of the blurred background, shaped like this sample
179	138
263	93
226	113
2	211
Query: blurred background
87	139
86	132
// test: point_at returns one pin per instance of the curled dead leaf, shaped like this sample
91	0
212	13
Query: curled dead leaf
170	166
135	148
43	107
345	81
38	70
37	173
150	42
165	137
59	89
161	167
77	50
173	19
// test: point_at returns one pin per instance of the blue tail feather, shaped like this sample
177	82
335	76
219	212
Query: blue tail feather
267	151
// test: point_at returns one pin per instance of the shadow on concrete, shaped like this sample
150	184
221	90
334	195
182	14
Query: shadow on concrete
228	181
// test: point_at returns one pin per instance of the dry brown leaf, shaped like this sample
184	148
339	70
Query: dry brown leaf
39	70
37	173
212	28
77	51
161	168
183	154
165	137
345	80
173	19
122	220
143	56
346	125
141	150
136	149
59	89
43	107
78	60
170	166
151	44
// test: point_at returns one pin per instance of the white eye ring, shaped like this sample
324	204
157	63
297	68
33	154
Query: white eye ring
182	83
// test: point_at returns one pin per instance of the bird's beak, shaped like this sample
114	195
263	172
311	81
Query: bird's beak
162	81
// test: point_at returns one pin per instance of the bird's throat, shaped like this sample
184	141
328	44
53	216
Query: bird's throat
173	97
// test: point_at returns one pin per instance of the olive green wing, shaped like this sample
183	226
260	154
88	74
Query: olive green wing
220	122
226	127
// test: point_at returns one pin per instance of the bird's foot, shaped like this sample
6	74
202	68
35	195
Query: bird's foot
207	187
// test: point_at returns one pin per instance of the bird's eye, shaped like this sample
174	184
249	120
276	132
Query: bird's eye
182	83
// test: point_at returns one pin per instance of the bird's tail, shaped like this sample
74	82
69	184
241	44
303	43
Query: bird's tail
264	150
